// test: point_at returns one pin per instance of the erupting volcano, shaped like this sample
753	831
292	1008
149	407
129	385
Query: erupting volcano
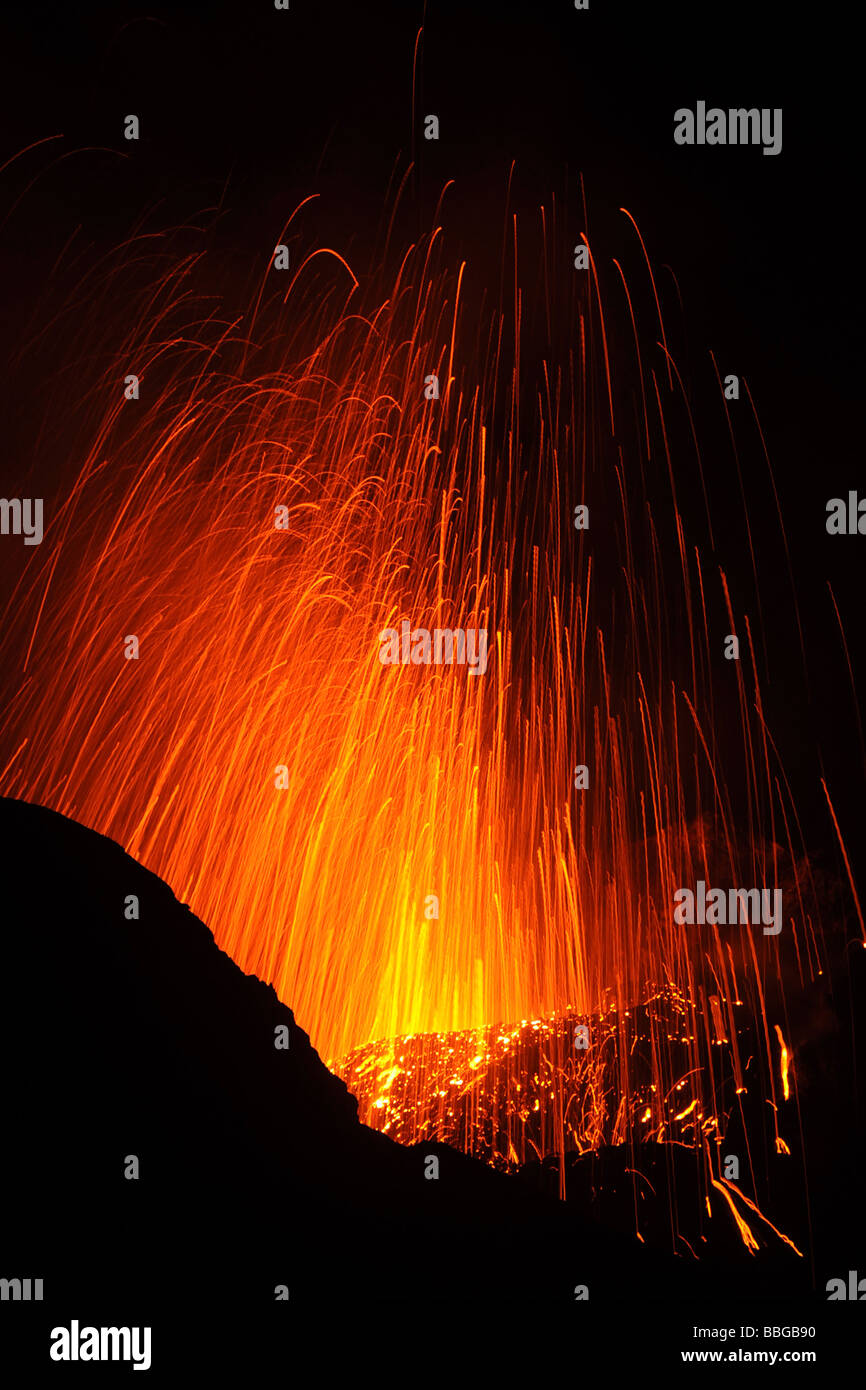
446	877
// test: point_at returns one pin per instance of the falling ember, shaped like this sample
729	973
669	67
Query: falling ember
718	1022
783	1063
406	852
742	1225
748	1238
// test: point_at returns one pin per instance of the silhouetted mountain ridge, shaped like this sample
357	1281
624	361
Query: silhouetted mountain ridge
141	1037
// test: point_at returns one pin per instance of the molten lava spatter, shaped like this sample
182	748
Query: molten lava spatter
505	1094
568	1084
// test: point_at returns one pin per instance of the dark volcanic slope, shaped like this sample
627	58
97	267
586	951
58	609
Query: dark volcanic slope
141	1037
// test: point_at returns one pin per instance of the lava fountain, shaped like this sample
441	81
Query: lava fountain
406	850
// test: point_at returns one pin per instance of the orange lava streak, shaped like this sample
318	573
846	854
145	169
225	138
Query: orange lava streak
742	1225
726	1189
783	1063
